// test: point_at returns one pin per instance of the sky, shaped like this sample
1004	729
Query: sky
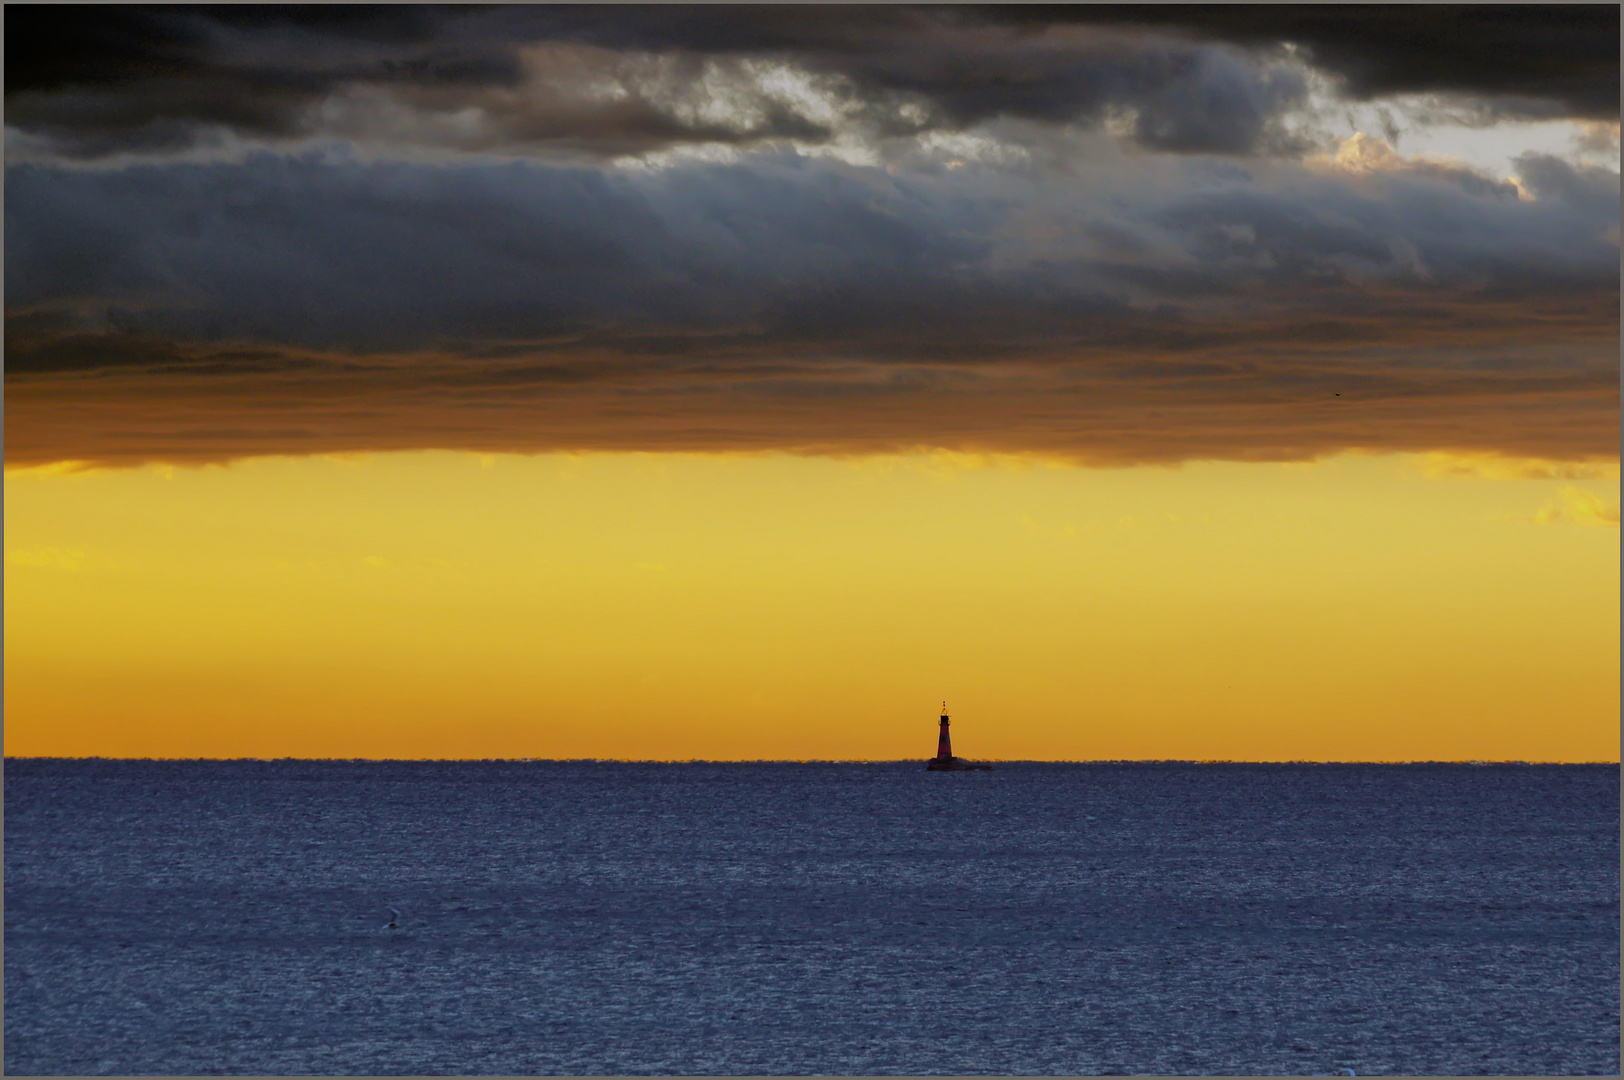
677	382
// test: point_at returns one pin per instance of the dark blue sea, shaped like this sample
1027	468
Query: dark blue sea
229	917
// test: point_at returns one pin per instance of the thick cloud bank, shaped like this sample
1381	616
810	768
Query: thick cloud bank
811	304
88	82
1101	239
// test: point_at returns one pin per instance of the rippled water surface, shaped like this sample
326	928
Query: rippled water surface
197	917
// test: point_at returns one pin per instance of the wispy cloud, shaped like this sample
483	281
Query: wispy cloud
1500	467
1580	507
46	558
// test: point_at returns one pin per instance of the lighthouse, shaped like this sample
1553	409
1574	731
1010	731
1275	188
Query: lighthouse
944	761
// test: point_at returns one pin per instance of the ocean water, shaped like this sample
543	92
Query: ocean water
228	917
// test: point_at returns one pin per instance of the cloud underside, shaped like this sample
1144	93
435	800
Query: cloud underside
186	402
1129	310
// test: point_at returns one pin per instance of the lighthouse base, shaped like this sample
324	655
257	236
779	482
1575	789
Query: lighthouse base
953	764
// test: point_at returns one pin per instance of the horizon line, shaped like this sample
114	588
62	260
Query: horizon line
826	761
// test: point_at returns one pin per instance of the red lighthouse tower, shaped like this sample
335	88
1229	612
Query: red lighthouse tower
944	761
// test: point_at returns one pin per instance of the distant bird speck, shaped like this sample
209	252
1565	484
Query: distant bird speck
394	920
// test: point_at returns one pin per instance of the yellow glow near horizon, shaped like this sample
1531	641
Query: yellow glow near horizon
449	605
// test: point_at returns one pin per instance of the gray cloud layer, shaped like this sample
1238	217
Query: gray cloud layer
1122	308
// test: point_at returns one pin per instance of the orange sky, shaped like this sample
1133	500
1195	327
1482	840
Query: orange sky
1190	387
676	606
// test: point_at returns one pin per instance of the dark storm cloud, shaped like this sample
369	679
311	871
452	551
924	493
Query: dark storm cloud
92	81
350	255
1539	60
1144	310
1566	55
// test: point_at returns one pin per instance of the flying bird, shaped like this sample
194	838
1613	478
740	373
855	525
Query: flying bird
394	920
